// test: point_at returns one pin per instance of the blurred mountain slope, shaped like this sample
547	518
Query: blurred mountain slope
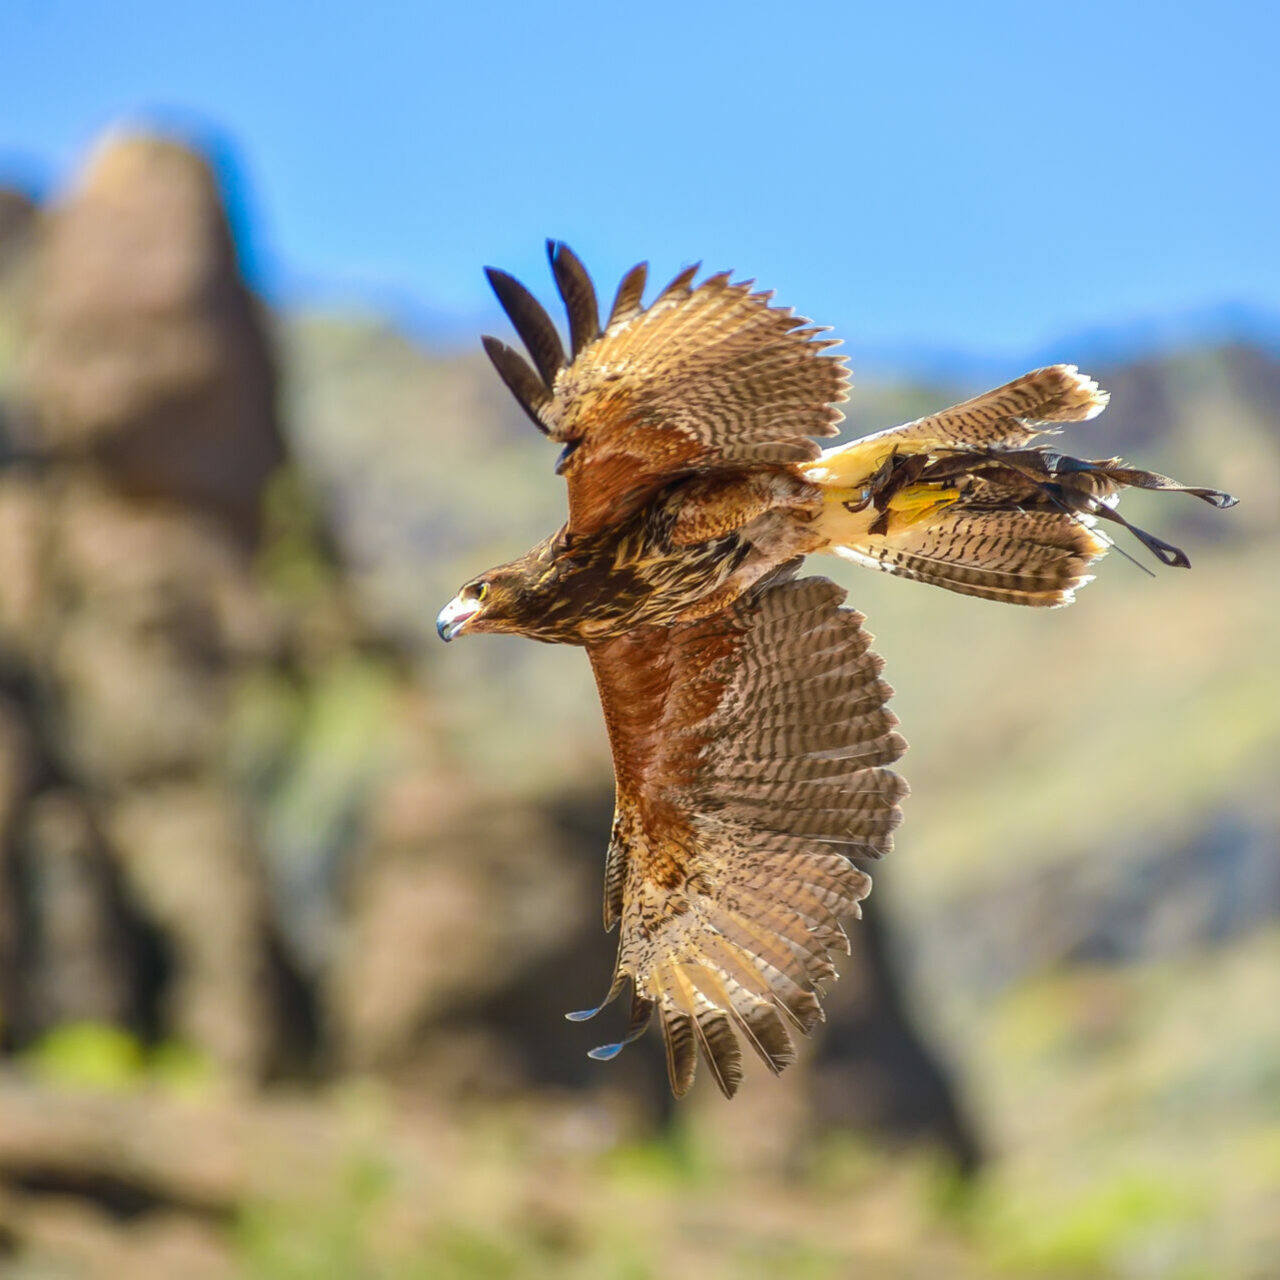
258	819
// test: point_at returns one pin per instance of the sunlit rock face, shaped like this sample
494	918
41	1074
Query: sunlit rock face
145	352
17	216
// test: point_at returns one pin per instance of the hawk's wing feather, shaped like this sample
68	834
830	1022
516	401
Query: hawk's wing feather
1007	418
579	295
626	302
1012	414
533	395
1017	557
536	329
707	376
750	752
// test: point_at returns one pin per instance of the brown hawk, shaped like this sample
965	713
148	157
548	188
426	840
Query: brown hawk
746	714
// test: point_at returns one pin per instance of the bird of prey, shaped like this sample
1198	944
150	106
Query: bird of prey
745	709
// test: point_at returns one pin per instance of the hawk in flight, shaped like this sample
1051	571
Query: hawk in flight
752	746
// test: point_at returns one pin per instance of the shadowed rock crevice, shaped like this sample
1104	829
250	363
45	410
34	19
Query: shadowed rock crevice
120	1198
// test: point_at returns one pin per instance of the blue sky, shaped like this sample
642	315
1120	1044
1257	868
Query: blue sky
987	176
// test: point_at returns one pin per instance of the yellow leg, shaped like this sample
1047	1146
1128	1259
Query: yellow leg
912	503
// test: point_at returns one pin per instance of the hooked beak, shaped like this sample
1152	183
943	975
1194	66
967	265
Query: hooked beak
454	616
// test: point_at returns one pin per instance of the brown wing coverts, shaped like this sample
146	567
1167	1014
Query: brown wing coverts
750	753
708	376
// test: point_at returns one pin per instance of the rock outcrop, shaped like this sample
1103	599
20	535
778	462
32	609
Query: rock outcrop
146	353
147	434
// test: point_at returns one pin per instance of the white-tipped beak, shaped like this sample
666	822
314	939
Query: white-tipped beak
455	615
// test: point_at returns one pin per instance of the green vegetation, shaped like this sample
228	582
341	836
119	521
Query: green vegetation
1125	1144
96	1056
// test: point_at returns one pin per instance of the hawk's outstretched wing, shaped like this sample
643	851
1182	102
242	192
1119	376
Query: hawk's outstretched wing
706	376
750	751
1010	415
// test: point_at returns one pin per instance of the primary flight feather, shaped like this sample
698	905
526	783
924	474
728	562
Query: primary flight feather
746	714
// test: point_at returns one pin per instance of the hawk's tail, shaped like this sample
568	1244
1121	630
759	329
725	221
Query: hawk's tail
961	500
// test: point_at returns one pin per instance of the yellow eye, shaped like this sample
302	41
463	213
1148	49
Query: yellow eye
482	591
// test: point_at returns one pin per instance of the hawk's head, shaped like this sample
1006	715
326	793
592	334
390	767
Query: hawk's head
490	602
512	597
